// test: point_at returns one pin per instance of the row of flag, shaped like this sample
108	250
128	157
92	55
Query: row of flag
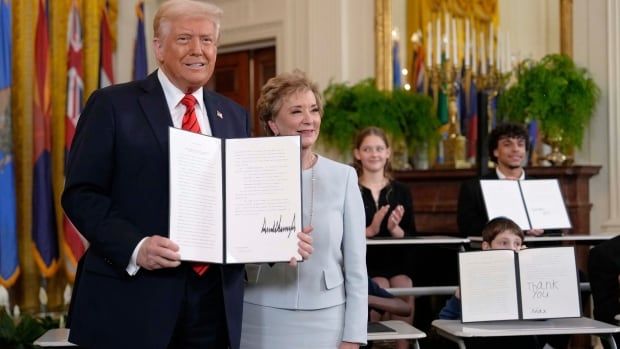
45	237
466	93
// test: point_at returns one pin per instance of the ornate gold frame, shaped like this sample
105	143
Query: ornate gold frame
383	44
383	39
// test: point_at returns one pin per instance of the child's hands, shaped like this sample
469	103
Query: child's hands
395	217
375	225
394	220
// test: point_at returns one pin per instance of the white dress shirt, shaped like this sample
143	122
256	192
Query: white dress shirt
177	110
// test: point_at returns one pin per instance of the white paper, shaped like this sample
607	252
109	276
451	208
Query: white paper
488	285
545	204
262	178
546	286
263	206
196	207
549	285
502	198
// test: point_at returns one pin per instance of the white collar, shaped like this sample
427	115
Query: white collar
500	175
174	95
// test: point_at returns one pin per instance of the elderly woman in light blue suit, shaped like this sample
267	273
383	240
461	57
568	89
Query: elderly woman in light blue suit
323	302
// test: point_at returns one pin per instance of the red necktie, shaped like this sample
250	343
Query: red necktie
190	123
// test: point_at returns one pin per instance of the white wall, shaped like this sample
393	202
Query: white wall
533	26
328	39
596	47
126	29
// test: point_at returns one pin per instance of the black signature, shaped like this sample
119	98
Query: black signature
277	227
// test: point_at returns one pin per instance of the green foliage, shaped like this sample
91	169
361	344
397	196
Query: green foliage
557	93
414	113
21	334
403	115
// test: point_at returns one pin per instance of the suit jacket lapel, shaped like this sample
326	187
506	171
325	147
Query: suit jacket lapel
155	108
213	114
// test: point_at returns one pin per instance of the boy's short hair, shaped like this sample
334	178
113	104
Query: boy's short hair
507	130
498	225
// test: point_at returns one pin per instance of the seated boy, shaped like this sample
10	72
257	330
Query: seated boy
501	233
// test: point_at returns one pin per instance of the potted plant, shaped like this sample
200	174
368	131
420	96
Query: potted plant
556	93
20	334
406	117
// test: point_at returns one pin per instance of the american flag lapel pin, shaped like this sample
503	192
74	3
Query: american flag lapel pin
219	114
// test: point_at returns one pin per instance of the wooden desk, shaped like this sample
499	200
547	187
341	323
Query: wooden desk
457	331
403	331
55	338
435	195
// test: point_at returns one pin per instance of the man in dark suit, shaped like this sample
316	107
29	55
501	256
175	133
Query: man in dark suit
508	146
604	274
133	291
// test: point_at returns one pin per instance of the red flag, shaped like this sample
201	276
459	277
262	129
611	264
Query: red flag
72	246
418	70
43	217
106	74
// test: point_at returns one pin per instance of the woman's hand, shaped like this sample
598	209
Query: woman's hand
348	345
375	225
394	220
305	245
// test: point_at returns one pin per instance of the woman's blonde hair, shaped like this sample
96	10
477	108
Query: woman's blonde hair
277	89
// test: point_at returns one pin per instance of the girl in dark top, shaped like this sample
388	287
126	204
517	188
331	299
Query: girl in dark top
389	213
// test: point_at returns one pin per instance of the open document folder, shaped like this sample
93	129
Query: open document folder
532	204
534	283
235	200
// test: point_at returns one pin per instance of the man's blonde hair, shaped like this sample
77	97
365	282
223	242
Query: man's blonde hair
173	9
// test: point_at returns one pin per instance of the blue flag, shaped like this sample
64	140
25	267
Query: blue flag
9	260
396	80
472	122
140	67
532	129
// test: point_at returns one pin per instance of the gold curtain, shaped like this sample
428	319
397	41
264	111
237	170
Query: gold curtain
25	12
479	12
